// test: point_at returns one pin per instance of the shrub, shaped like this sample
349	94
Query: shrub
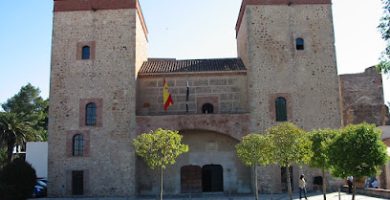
17	180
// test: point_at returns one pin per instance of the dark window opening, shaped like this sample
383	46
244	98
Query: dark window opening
86	53
300	44
212	178
77	182
78	145
281	109
207	108
90	114
317	180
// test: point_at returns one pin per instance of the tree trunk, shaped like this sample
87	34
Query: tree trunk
289	182
256	187
161	183
10	148
324	183
353	188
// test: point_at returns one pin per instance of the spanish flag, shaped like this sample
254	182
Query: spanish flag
167	97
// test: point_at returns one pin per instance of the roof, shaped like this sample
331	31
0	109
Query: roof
159	65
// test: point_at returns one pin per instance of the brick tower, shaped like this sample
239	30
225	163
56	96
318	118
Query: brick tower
97	48
288	49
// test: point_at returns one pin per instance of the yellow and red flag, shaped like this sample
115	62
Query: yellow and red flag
167	97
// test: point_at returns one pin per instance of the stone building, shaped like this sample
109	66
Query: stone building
362	98
105	91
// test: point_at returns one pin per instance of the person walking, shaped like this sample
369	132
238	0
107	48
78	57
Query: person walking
350	184
302	186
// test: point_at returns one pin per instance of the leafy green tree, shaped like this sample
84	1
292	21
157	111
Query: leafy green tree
159	149
255	150
384	27
14	132
30	107
357	151
24	119
320	159
17	180
291	146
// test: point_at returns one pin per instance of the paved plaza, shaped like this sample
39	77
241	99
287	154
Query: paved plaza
311	196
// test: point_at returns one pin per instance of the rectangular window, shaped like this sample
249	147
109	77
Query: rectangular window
77	182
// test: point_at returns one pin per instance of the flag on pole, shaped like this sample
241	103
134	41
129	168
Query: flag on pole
167	97
187	96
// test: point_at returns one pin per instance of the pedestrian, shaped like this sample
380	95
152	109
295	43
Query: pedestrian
350	183
302	186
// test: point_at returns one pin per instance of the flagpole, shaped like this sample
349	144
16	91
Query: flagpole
187	96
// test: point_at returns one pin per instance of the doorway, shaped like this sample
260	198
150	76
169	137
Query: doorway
191	179
212	178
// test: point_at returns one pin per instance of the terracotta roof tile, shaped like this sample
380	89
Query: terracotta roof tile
160	65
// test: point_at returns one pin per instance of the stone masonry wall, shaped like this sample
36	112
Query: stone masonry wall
206	147
307	78
109	78
362	96
275	67
226	91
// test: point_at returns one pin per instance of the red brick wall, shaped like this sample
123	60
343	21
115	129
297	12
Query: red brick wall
75	5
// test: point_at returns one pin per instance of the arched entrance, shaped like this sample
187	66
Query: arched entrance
212	178
211	165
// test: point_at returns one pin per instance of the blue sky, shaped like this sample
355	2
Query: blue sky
177	29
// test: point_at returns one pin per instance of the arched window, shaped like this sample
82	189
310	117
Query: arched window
281	109
300	44
77	145
86	53
90	114
207	108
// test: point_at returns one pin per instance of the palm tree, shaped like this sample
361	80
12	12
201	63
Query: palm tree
14	131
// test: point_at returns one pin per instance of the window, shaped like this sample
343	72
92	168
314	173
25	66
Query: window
281	109
90	114
78	145
77	182
85	53
207	108
300	44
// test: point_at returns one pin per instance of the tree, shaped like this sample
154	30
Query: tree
357	151
159	149
3	157
291	146
29	107
14	132
24	119
384	27
255	150
17	180
320	159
